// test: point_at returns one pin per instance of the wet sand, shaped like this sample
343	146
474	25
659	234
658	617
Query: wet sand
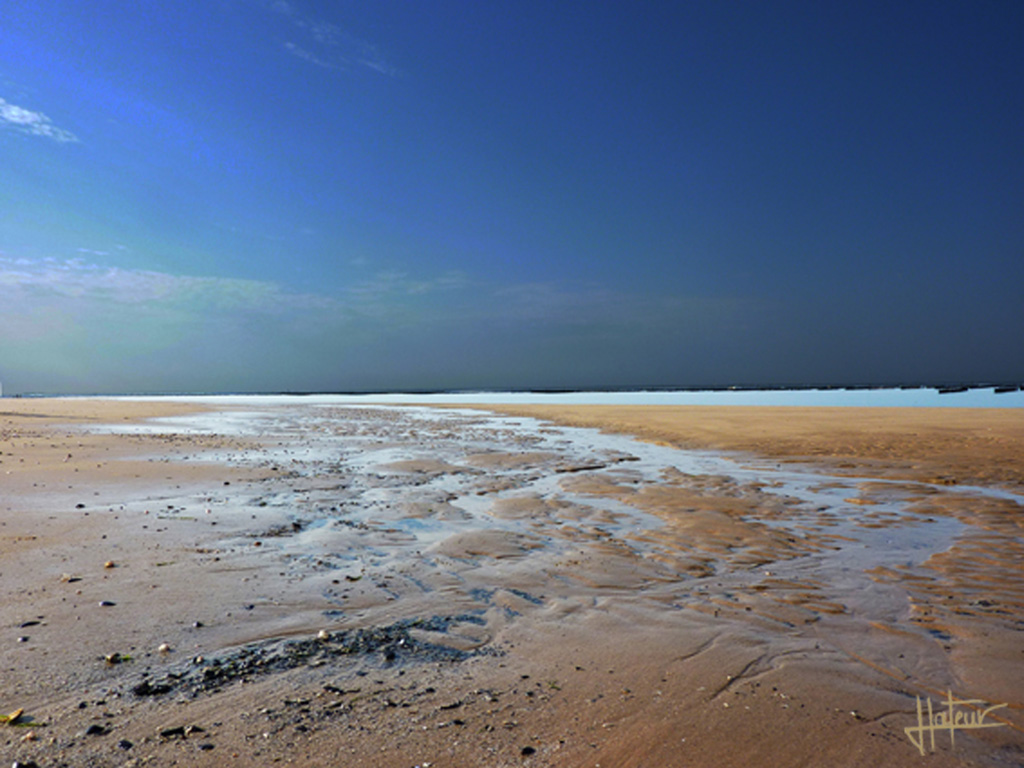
391	587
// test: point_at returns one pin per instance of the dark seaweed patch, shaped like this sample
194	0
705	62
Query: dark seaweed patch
389	646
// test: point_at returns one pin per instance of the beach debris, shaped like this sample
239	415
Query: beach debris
110	564
23	639
116	658
13	717
180	731
323	634
164	648
106	604
29	764
30	736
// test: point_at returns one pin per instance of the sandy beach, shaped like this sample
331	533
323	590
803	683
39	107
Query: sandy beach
190	584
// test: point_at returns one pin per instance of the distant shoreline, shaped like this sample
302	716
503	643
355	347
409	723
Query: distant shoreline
970	396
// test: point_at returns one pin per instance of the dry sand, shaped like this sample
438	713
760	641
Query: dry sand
716	638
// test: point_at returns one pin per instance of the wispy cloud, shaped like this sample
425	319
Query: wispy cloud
396	284
81	285
77	279
312	58
328	45
32	123
81	325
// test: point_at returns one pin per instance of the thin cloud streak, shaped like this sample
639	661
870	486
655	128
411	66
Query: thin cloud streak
32	123
78	279
312	58
30	281
328	46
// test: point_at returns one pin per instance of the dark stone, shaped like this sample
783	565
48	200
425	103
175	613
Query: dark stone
146	688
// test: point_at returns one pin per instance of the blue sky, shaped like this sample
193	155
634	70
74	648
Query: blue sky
253	195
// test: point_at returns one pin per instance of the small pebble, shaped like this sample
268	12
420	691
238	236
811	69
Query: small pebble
164	648
110	564
106	604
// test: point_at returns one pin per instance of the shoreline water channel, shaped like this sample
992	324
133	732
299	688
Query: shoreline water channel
445	509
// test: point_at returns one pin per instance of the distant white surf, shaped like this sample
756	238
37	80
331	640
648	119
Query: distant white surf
872	398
